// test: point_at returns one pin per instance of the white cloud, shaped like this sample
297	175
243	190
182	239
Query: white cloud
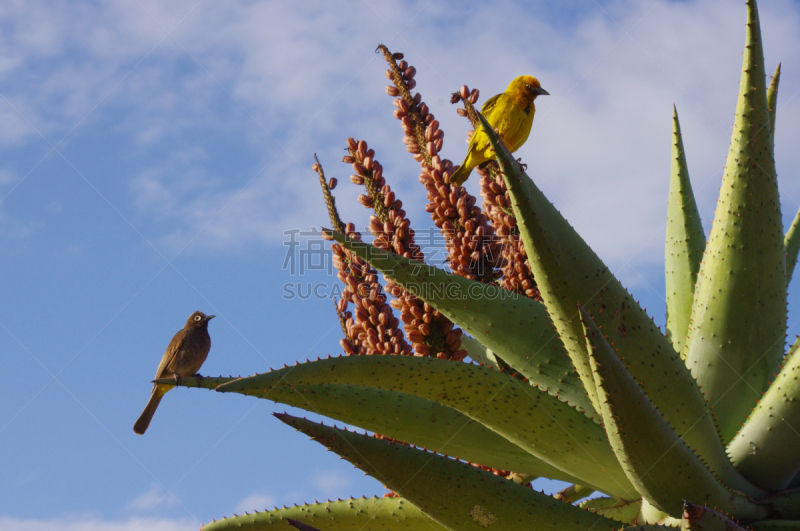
96	524
146	501
258	501
599	149
331	484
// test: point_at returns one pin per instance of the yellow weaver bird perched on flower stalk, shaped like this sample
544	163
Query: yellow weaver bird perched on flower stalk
511	115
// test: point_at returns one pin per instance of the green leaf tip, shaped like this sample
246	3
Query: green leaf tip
205	382
738	321
516	328
455	494
537	423
792	244
568	271
415	420
664	470
765	449
684	245
378	514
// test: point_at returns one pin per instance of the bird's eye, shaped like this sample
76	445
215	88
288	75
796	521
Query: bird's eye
528	86
197	318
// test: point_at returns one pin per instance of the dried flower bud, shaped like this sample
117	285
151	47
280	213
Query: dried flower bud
391	90
461	112
348	159
365	200
464	92
388	73
411	84
397	56
402	65
316	167
332	182
409	73
351	143
357	180
473	96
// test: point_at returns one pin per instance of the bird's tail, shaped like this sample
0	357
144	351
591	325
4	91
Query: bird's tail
460	175
149	410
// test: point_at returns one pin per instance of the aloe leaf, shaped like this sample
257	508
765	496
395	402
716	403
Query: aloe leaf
697	518
685	243
785	505
416	421
479	353
375	514
775	525
204	382
457	495
792	244
300	526
531	419
574	493
568	271
772	96
738	328
516	328
766	449
620	510
664	470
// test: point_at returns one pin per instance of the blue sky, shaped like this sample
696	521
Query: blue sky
152	157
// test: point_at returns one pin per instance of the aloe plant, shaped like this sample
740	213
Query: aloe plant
571	379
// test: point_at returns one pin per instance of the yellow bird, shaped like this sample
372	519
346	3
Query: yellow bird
511	115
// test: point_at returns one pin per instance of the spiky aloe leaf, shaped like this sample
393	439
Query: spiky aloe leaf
785	505
664	470
685	243
620	510
531	419
772	97
375	514
792	244
204	382
479	353
568	272
517	328
697	518
738	328
765	449
300	526
574	493
416	421
775	525
457	495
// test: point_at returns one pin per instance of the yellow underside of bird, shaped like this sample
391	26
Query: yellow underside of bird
511	115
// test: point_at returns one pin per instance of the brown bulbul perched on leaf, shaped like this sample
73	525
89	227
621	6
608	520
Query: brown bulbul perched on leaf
184	356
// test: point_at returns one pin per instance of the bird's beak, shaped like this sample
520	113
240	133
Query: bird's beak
209	317
540	92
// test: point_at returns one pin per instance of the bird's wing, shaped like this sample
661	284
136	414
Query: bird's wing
174	346
490	104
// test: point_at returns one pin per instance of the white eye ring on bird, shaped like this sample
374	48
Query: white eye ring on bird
197	318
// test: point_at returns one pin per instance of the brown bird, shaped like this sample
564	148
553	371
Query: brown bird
184	356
